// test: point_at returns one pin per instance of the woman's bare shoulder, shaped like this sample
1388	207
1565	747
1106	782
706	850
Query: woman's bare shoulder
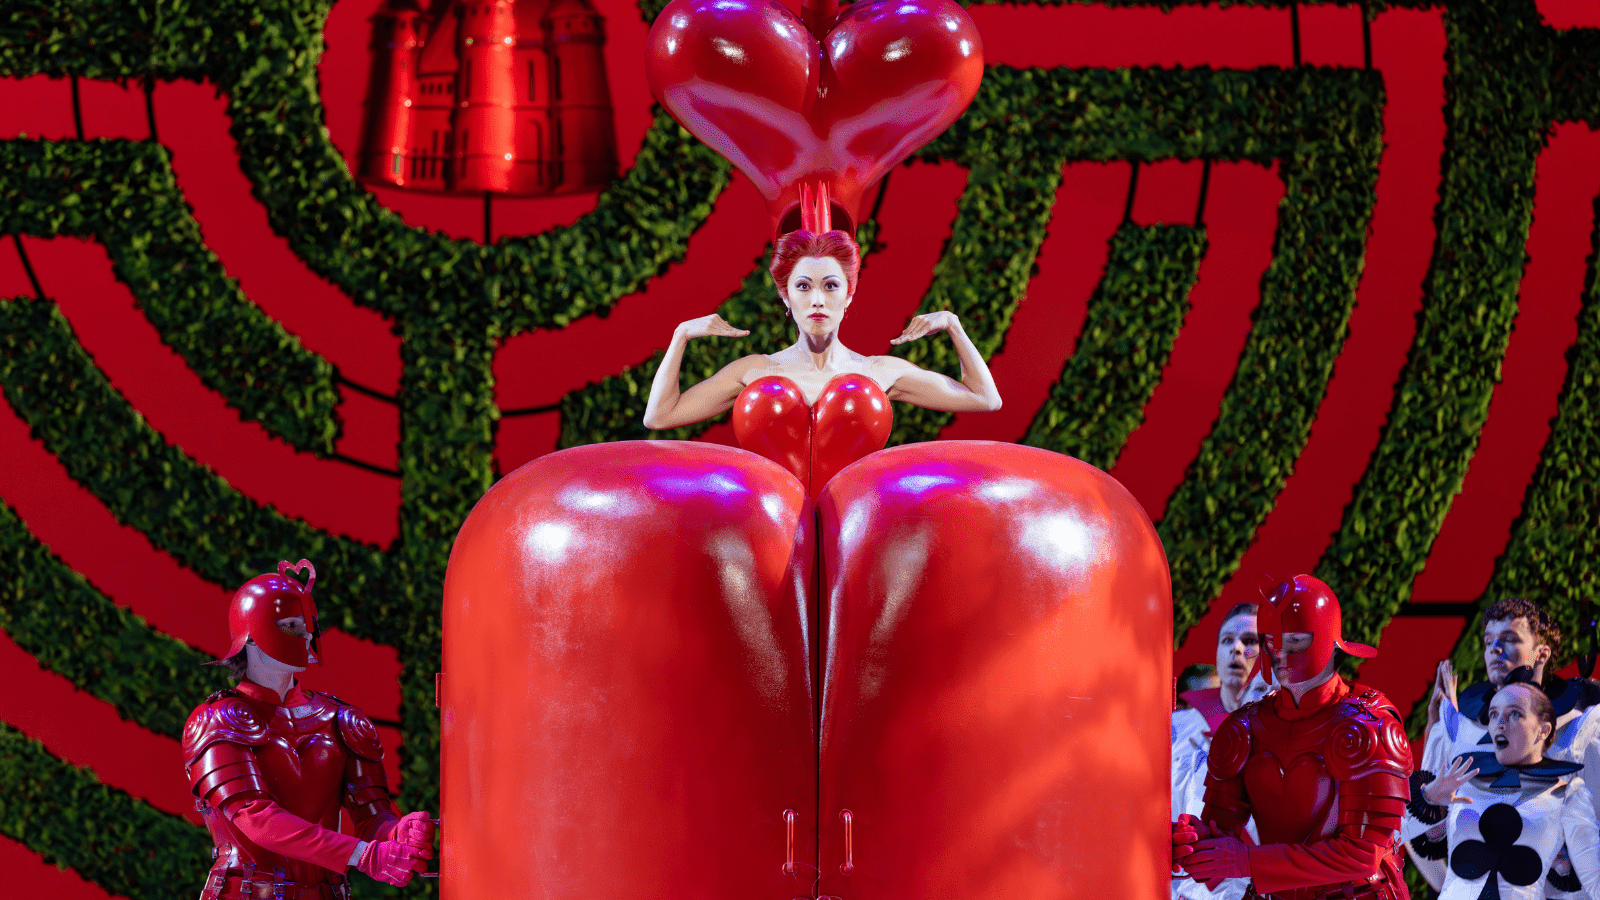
746	368
891	365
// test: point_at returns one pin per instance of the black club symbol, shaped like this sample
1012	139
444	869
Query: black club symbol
1498	853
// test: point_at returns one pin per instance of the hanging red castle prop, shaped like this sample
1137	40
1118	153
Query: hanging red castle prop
488	96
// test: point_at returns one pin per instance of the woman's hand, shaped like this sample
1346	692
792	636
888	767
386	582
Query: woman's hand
710	326
931	323
669	407
1444	688
1442	790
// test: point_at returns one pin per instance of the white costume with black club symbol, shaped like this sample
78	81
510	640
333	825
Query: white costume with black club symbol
1502	845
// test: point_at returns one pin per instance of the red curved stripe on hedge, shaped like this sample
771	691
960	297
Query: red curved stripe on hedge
916	217
157	382
1479	522
117	559
1408	48
1100	37
1045	328
30	876
121	562
193	124
88	732
1569	13
36	106
539	367
1241	217
42	107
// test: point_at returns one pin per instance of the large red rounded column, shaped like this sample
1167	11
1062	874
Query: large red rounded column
627	705
996	682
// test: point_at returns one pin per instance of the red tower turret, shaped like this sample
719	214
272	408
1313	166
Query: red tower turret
485	120
386	119
432	142
532	174
489	96
585	143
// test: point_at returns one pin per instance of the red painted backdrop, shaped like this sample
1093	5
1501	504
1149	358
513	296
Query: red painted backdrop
537	369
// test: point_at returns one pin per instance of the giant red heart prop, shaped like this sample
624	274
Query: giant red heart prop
850	419
666	674
750	79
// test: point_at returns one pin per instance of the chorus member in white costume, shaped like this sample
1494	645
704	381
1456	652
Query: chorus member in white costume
1516	634
1237	647
1509	811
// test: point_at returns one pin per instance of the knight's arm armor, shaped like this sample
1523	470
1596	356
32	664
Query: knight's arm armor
224	774
1369	757
366	788
1227	803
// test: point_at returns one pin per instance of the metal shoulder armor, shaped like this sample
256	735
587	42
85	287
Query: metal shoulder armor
1368	740
219	744
360	736
1230	746
224	716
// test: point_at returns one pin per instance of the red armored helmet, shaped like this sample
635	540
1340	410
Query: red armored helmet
262	601
1301	603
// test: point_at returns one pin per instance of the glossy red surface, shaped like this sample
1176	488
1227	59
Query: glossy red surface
850	419
259	603
997	679
835	105
474	97
627	703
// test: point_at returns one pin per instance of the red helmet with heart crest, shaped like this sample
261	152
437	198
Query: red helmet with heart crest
262	601
1301	604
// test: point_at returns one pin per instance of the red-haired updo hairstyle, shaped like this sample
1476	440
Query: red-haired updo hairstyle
797	245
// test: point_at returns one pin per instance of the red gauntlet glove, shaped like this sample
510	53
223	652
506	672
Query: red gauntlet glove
1186	832
390	862
416	830
1216	858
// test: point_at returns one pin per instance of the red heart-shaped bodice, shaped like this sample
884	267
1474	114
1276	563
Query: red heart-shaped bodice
303	772
850	419
1291	804
752	81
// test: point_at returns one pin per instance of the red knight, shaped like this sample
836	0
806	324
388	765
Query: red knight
1321	765
271	764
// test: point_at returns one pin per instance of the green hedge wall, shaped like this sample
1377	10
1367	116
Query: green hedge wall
452	302
1132	321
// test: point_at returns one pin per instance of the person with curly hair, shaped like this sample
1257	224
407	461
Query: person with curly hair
1510	812
1518	635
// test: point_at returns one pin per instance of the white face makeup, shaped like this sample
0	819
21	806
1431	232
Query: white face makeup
1237	649
1508	644
1516	731
818	294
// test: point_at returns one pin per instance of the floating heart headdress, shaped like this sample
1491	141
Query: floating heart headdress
832	100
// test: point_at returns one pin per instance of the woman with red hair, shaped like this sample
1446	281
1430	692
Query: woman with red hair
816	278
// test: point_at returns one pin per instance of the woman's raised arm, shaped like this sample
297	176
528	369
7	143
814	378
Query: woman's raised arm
975	392
670	408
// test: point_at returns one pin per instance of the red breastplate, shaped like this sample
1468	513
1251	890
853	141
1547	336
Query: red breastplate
850	419
303	761
1292	794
